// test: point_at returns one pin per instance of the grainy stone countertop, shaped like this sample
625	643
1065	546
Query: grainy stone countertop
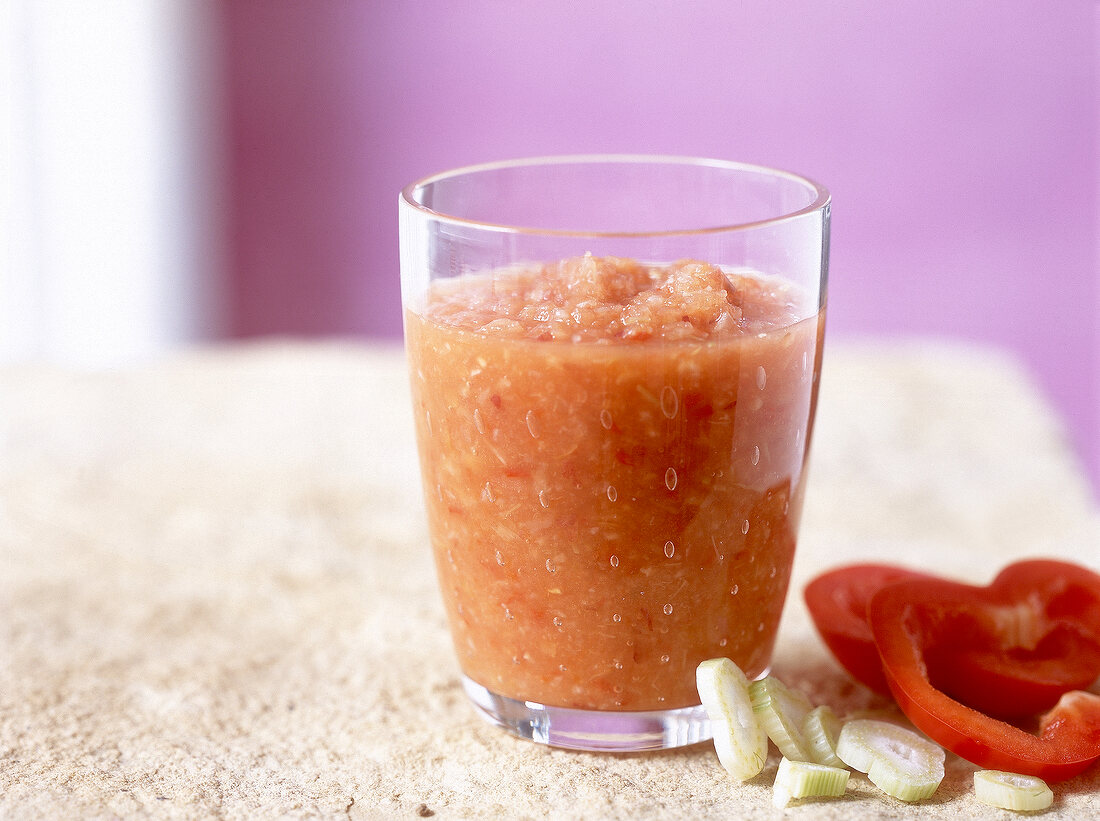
217	599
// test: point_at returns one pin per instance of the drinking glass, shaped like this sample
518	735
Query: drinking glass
614	365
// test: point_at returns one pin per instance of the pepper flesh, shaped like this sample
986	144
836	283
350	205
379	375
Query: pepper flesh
1046	624
912	620
837	601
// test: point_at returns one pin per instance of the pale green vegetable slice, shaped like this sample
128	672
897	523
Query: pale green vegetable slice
1011	791
898	761
739	739
821	729
781	712
804	779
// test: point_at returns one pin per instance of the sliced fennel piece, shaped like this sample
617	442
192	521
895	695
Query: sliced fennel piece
821	729
781	712
1010	791
898	761
804	779
739	739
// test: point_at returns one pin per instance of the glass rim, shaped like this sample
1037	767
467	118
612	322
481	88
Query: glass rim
821	196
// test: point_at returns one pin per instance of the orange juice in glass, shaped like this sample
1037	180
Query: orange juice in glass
614	364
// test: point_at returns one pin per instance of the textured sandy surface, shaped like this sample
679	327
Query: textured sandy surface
216	598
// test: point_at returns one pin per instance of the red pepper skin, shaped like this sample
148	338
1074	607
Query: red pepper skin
837	601
920	626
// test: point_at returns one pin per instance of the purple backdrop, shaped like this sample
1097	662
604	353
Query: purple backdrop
959	141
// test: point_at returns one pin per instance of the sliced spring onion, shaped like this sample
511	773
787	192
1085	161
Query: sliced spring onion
781	712
1010	791
739	740
821	729
804	779
898	761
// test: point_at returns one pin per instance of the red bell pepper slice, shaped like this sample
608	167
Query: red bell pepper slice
924	629
837	601
1036	652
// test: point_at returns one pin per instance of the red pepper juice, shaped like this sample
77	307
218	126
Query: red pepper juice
613	464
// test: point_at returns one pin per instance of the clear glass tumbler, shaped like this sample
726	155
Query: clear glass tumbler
614	363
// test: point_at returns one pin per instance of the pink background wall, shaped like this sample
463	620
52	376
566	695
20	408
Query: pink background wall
959	141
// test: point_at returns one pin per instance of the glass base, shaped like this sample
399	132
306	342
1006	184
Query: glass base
591	729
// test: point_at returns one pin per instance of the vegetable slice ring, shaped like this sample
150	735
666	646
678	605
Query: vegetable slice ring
897	761
910	619
739	740
1011	791
782	713
821	729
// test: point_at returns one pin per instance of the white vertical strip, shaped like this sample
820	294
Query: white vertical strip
106	273
20	288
